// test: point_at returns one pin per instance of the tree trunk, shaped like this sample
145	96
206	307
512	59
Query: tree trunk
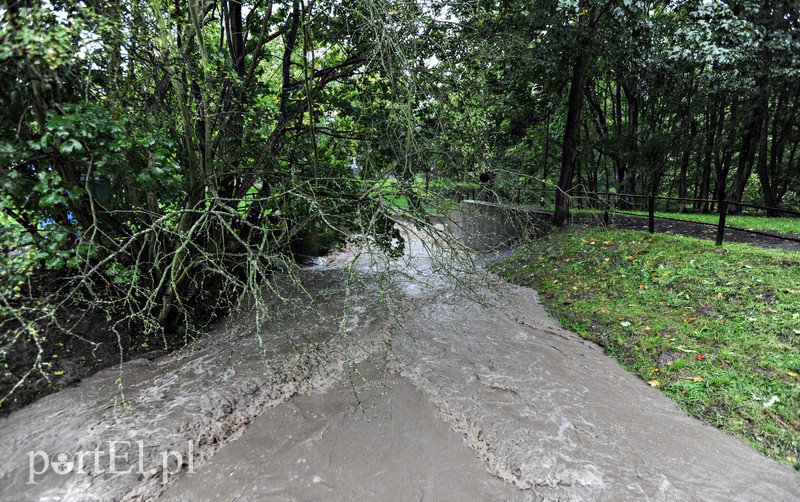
767	187
546	157
619	162
705	179
572	127
684	169
782	129
750	141
724	154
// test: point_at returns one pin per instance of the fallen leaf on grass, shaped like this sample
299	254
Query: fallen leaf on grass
654	383
690	319
625	324
792	374
697	379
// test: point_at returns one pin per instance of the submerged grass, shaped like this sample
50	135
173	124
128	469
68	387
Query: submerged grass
717	330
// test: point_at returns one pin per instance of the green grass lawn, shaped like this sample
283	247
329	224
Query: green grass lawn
718	331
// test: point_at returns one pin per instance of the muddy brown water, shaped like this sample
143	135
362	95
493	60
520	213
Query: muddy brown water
437	396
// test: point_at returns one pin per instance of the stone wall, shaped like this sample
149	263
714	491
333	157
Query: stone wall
486	226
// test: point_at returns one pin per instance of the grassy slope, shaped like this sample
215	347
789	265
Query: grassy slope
718	331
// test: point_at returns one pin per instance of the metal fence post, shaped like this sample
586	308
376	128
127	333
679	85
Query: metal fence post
723	209
651	210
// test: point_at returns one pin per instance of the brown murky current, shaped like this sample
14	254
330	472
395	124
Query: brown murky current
434	395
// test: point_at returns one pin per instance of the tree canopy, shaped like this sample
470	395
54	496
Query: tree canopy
171	155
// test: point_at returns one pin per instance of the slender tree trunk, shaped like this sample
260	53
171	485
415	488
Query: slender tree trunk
546	157
632	140
767	187
572	127
620	167
684	166
705	179
724	154
749	146
779	173
570	149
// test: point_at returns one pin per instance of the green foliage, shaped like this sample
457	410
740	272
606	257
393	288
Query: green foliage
158	167
717	331
165	161
18	257
674	93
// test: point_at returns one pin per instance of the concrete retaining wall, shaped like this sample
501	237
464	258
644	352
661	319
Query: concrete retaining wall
485	226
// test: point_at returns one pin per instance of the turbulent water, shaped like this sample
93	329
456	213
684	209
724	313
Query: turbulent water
412	385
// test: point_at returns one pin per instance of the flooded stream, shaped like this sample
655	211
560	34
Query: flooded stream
429	386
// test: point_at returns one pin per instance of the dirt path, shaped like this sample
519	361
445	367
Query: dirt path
700	231
480	399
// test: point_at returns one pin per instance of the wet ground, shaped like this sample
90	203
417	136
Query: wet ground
773	240
383	441
439	395
80	341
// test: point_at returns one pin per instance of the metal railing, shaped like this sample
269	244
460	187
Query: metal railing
723	209
625	204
